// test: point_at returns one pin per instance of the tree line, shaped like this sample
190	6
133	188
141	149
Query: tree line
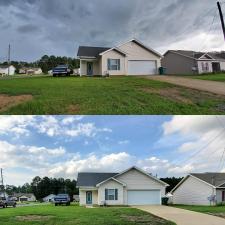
172	181
47	63
42	187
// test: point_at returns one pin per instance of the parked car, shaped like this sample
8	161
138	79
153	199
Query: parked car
61	70
62	199
7	202
2	203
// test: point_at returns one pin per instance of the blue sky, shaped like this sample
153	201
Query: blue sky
62	146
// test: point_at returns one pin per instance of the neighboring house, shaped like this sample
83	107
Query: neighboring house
32	71
130	187
23	197
49	198
200	189
76	198
7	70
130	58
189	62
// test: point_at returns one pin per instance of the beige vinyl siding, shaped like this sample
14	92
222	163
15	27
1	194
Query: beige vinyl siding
136	180
136	52
111	184
177	64
193	192
83	68
113	55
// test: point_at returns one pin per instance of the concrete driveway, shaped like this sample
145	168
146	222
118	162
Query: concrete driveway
202	85
181	216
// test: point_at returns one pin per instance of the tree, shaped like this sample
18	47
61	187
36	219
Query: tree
172	181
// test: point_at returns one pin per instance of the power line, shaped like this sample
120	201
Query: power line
204	147
210	30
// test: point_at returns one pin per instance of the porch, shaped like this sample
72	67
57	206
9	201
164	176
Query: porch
90	67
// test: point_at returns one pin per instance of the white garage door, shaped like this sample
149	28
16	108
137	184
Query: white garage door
136	67
144	197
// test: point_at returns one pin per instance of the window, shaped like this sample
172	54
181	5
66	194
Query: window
111	194
113	64
205	66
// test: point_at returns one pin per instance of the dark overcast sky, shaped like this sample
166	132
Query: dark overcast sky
38	27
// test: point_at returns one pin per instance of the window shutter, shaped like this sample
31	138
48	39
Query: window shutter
118	64
116	194
106	194
109	64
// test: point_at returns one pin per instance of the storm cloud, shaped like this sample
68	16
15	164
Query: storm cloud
38	27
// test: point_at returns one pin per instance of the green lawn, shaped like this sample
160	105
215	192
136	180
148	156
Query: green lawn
213	77
50	215
212	210
111	96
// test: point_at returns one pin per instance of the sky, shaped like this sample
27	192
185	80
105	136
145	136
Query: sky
62	146
55	27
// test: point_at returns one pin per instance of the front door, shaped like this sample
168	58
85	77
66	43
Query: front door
216	67
89	68
89	197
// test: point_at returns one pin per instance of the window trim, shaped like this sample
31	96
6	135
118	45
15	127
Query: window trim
115	64
114	195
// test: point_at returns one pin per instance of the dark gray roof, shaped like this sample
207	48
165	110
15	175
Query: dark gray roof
91	179
90	51
197	55
215	179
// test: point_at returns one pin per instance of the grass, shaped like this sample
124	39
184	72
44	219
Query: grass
112	96
50	215
212	210
213	77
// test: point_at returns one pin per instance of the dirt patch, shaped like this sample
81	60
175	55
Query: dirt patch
173	94
144	219
7	101
34	218
73	109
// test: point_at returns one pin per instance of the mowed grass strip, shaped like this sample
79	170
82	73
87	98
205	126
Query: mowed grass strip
212	210
111	96
73	214
212	77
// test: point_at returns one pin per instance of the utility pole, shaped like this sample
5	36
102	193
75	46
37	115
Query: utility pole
221	18
9	53
2	182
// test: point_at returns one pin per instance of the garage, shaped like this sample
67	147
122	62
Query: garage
142	67
144	197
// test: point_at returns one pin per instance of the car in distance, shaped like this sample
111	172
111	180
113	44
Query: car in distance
62	199
7	202
61	70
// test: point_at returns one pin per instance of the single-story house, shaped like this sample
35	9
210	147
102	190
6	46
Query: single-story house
49	198
130	58
24	197
32	71
7	70
190	62
130	187
200	189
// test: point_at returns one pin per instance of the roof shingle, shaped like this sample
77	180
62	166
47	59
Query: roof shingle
92	179
90	51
